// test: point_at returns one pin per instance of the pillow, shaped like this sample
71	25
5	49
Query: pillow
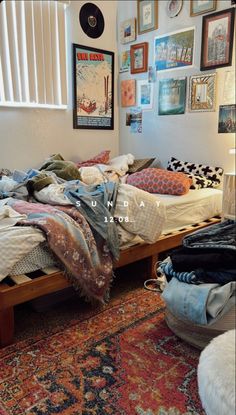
160	181
214	174
200	182
101	158
140	164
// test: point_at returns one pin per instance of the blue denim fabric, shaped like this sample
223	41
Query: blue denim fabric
201	304
221	235
76	191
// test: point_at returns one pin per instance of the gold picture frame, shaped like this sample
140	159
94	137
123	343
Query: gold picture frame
202	92
147	12
196	8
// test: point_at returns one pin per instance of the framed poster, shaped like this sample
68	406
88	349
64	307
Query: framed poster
93	88
201	6
172	96
124	61
217	39
174	7
139	57
145	95
227	121
147	15
202	92
128	93
128	31
174	50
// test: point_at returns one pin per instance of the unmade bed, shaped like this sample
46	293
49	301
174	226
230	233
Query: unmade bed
184	214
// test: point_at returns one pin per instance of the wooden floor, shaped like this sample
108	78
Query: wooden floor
19	289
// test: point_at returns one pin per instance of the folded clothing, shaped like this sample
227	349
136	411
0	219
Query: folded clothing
201	304
185	259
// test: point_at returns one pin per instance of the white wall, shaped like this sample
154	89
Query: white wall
28	136
191	136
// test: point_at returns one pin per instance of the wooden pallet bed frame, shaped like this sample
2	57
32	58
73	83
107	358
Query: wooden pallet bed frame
19	289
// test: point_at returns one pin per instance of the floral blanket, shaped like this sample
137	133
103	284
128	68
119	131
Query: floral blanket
88	264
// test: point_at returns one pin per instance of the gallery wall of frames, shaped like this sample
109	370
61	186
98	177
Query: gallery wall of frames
177	79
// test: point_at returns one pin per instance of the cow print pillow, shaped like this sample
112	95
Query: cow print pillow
202	175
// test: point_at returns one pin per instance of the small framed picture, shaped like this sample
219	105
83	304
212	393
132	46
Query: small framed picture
217	39
227	121
199	7
124	61
147	15
172	96
139	57
202	92
128	93
128	31
145	95
174	7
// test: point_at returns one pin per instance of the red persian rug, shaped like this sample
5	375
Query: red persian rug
121	361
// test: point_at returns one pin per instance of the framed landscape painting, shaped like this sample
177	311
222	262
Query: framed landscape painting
172	96
93	71
147	15
174	50
201	6
217	39
202	92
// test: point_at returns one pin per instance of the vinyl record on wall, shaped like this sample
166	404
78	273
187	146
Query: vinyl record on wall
91	20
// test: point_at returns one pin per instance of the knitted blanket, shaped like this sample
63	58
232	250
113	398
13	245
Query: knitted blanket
87	265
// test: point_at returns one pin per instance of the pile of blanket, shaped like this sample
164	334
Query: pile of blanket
201	274
83	223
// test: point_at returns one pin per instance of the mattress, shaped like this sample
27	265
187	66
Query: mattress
193	207
181	211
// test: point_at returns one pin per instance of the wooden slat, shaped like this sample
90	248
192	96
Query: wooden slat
50	270
20	279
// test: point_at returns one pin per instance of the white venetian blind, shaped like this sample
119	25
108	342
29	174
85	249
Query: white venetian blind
33	68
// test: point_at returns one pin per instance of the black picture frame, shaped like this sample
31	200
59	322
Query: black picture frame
93	88
221	54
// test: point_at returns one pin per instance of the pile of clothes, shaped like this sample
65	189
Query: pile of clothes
201	274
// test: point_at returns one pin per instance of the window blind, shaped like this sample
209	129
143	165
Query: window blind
33	68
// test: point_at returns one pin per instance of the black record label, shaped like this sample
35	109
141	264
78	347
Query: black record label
91	20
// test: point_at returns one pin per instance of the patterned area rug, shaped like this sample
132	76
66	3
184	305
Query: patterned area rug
122	360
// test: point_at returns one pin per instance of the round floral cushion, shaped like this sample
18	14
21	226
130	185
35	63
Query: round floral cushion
160	181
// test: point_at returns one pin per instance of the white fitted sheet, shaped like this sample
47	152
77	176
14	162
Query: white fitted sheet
196	206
